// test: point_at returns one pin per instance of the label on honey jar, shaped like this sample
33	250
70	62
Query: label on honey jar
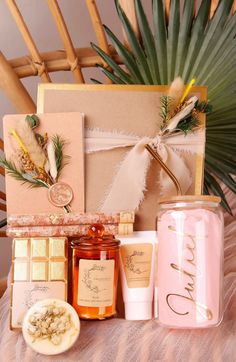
137	260
96	283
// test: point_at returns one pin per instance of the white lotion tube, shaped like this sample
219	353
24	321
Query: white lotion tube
137	259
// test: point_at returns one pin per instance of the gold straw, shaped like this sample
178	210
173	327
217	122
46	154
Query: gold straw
156	156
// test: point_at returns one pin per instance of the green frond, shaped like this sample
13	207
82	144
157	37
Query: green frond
115	79
160	36
173	34
212	184
148	42
18	174
127	57
196	39
184	36
136	47
212	34
125	77
61	159
165	102
95	81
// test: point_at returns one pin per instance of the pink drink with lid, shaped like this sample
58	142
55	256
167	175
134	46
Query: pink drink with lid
190	235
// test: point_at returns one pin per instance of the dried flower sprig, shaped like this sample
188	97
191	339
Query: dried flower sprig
185	116
38	168
20	175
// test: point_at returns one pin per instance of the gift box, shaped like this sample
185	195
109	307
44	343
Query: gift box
120	119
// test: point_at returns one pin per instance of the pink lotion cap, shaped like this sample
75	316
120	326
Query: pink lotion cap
138	311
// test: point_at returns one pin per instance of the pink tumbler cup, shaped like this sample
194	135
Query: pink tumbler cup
190	262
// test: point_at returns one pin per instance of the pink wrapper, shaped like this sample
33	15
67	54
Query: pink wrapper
58	230
62	219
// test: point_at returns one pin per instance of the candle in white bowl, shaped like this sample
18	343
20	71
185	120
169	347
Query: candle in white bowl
51	326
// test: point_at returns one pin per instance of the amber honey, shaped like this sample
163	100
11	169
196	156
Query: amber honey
95	274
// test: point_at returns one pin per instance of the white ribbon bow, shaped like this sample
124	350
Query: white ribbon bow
129	184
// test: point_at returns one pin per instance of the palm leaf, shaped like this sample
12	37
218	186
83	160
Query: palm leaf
126	56
213	185
197	36
135	46
111	76
125	77
173	33
160	34
212	34
223	43
226	178
148	42
223	58
184	36
95	81
228	166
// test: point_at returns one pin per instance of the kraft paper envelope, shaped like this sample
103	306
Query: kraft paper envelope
128	109
24	200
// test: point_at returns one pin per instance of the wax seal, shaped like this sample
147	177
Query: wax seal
60	194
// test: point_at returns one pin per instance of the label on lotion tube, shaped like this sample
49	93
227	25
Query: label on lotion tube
137	253
137	261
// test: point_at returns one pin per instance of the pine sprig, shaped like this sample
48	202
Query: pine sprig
165	109
61	159
204	107
18	174
189	124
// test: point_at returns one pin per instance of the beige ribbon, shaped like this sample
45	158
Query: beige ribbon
129	184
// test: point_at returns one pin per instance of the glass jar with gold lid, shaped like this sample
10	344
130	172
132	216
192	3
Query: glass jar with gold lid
95	274
190	261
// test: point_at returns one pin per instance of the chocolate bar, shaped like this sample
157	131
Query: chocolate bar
39	271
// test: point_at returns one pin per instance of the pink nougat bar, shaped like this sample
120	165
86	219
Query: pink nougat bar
71	224
62	219
57	230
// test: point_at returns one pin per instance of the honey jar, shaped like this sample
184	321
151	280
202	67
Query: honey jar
95	270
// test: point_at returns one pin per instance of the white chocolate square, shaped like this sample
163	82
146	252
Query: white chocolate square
57	247
38	271
38	248
21	248
57	270
20	271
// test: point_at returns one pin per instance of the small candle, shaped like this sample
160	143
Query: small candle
51	326
95	274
